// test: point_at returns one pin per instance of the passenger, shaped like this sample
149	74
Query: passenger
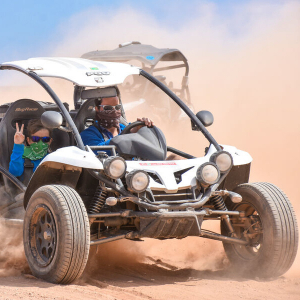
38	140
107	123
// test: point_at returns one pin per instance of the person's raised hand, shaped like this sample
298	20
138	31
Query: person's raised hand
19	137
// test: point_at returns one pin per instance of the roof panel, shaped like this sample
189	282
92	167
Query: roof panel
144	53
80	71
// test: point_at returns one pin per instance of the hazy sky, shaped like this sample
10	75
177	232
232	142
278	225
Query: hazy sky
29	27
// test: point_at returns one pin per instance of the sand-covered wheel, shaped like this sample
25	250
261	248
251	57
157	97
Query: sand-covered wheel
56	234
270	227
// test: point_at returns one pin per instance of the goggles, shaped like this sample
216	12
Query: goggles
111	107
36	139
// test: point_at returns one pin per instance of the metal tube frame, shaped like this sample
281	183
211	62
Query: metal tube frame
179	152
13	179
107	240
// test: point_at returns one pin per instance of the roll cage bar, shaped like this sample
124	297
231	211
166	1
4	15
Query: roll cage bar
143	73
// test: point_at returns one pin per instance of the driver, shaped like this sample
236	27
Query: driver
107	123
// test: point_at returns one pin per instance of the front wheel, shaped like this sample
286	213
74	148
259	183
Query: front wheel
56	234
269	225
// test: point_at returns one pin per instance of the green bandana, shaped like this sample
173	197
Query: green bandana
35	151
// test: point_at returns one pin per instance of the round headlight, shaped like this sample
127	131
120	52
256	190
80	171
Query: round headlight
114	167
137	181
223	160
208	173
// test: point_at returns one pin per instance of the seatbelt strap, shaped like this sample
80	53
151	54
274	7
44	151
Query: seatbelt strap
28	170
105	137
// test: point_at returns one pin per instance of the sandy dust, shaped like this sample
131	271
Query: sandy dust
250	82
12	257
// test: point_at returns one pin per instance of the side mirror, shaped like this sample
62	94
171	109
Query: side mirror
206	118
51	119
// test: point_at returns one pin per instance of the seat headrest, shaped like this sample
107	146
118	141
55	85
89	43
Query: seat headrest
86	111
24	109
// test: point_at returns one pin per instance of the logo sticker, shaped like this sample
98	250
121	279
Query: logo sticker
94	68
150	57
159	164
99	79
35	68
26	109
97	73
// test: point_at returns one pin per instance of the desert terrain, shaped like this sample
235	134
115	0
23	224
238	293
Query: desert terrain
252	88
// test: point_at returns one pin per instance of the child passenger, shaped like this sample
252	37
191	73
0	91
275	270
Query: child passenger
38	140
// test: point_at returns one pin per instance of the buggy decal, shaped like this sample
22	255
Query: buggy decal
26	109
158	164
94	68
150	57
95	73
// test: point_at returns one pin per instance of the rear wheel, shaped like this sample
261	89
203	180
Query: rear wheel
56	234
270	227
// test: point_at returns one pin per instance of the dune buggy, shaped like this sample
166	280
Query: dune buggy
79	196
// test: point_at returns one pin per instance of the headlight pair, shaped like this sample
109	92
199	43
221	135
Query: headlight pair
136	180
209	173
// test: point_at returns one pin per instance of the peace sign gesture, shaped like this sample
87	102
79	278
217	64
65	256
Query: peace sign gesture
19	137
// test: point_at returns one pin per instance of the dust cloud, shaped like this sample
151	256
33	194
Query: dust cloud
12	257
245	69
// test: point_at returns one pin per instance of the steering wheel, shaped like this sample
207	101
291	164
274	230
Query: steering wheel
128	128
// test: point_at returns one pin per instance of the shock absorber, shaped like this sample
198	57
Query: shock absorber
219	204
98	200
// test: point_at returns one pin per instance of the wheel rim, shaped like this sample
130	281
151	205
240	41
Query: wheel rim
43	235
252	230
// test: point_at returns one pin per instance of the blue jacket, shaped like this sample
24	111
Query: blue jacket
93	137
16	164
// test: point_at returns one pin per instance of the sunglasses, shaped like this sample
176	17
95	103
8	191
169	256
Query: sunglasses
111	107
36	139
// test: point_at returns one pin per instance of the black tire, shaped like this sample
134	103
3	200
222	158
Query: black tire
56	234
275	241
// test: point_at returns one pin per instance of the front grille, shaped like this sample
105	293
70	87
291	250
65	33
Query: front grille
163	197
177	175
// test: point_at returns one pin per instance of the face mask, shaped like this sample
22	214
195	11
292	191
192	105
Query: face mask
108	118
35	151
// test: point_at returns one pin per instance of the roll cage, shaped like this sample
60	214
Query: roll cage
36	72
38	68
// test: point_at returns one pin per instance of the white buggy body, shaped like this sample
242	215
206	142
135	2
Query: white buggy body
73	156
